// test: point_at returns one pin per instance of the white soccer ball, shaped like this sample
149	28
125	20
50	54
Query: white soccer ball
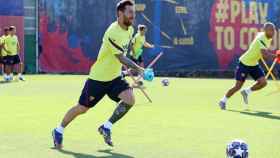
165	82
237	149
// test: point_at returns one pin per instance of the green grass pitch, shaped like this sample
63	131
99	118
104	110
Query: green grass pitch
183	121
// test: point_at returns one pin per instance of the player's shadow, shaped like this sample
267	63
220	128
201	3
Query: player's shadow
110	153
7	82
4	82
267	115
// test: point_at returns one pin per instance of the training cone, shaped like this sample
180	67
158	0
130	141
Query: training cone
278	56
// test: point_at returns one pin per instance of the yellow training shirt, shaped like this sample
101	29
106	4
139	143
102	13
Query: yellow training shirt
115	41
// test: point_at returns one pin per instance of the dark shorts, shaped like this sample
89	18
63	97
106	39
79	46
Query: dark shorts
138	61
12	60
4	60
242	71
94	91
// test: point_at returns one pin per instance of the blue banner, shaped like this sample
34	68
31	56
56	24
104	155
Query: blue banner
11	8
192	34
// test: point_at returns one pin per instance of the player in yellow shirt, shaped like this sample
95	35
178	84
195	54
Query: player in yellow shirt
4	53
1	56
105	75
12	48
138	42
249	65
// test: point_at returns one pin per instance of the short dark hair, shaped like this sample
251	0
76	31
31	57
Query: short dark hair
142	27
123	3
6	29
11	28
268	24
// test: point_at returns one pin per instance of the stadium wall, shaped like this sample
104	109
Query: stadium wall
197	36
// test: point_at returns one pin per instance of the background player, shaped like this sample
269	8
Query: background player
4	53
12	48
105	75
138	42
249	65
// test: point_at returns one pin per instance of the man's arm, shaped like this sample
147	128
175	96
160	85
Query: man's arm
132	49
18	47
123	59
1	47
129	63
5	49
148	45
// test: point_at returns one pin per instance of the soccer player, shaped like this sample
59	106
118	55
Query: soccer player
138	42
249	65
1	57
105	75
12	48
4	53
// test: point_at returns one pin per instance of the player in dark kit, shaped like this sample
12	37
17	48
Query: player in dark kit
249	65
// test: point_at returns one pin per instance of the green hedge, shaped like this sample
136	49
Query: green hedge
30	53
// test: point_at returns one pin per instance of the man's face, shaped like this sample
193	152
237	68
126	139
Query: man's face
143	32
128	15
269	31
6	33
13	32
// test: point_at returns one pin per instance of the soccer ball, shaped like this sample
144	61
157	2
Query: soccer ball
165	82
237	149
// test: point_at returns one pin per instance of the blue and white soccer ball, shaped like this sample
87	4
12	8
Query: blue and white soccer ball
148	75
165	82
237	149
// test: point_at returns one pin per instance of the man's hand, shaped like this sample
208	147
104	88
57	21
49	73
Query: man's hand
148	45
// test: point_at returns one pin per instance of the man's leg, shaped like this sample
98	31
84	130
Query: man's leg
20	67
240	76
9	72
11	68
141	83
2	68
238	85
92	93
260	84
8	64
73	113
20	70
5	71
142	64
258	75
127	101
122	94
68	118
12	71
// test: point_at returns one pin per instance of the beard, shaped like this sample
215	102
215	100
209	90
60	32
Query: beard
127	22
